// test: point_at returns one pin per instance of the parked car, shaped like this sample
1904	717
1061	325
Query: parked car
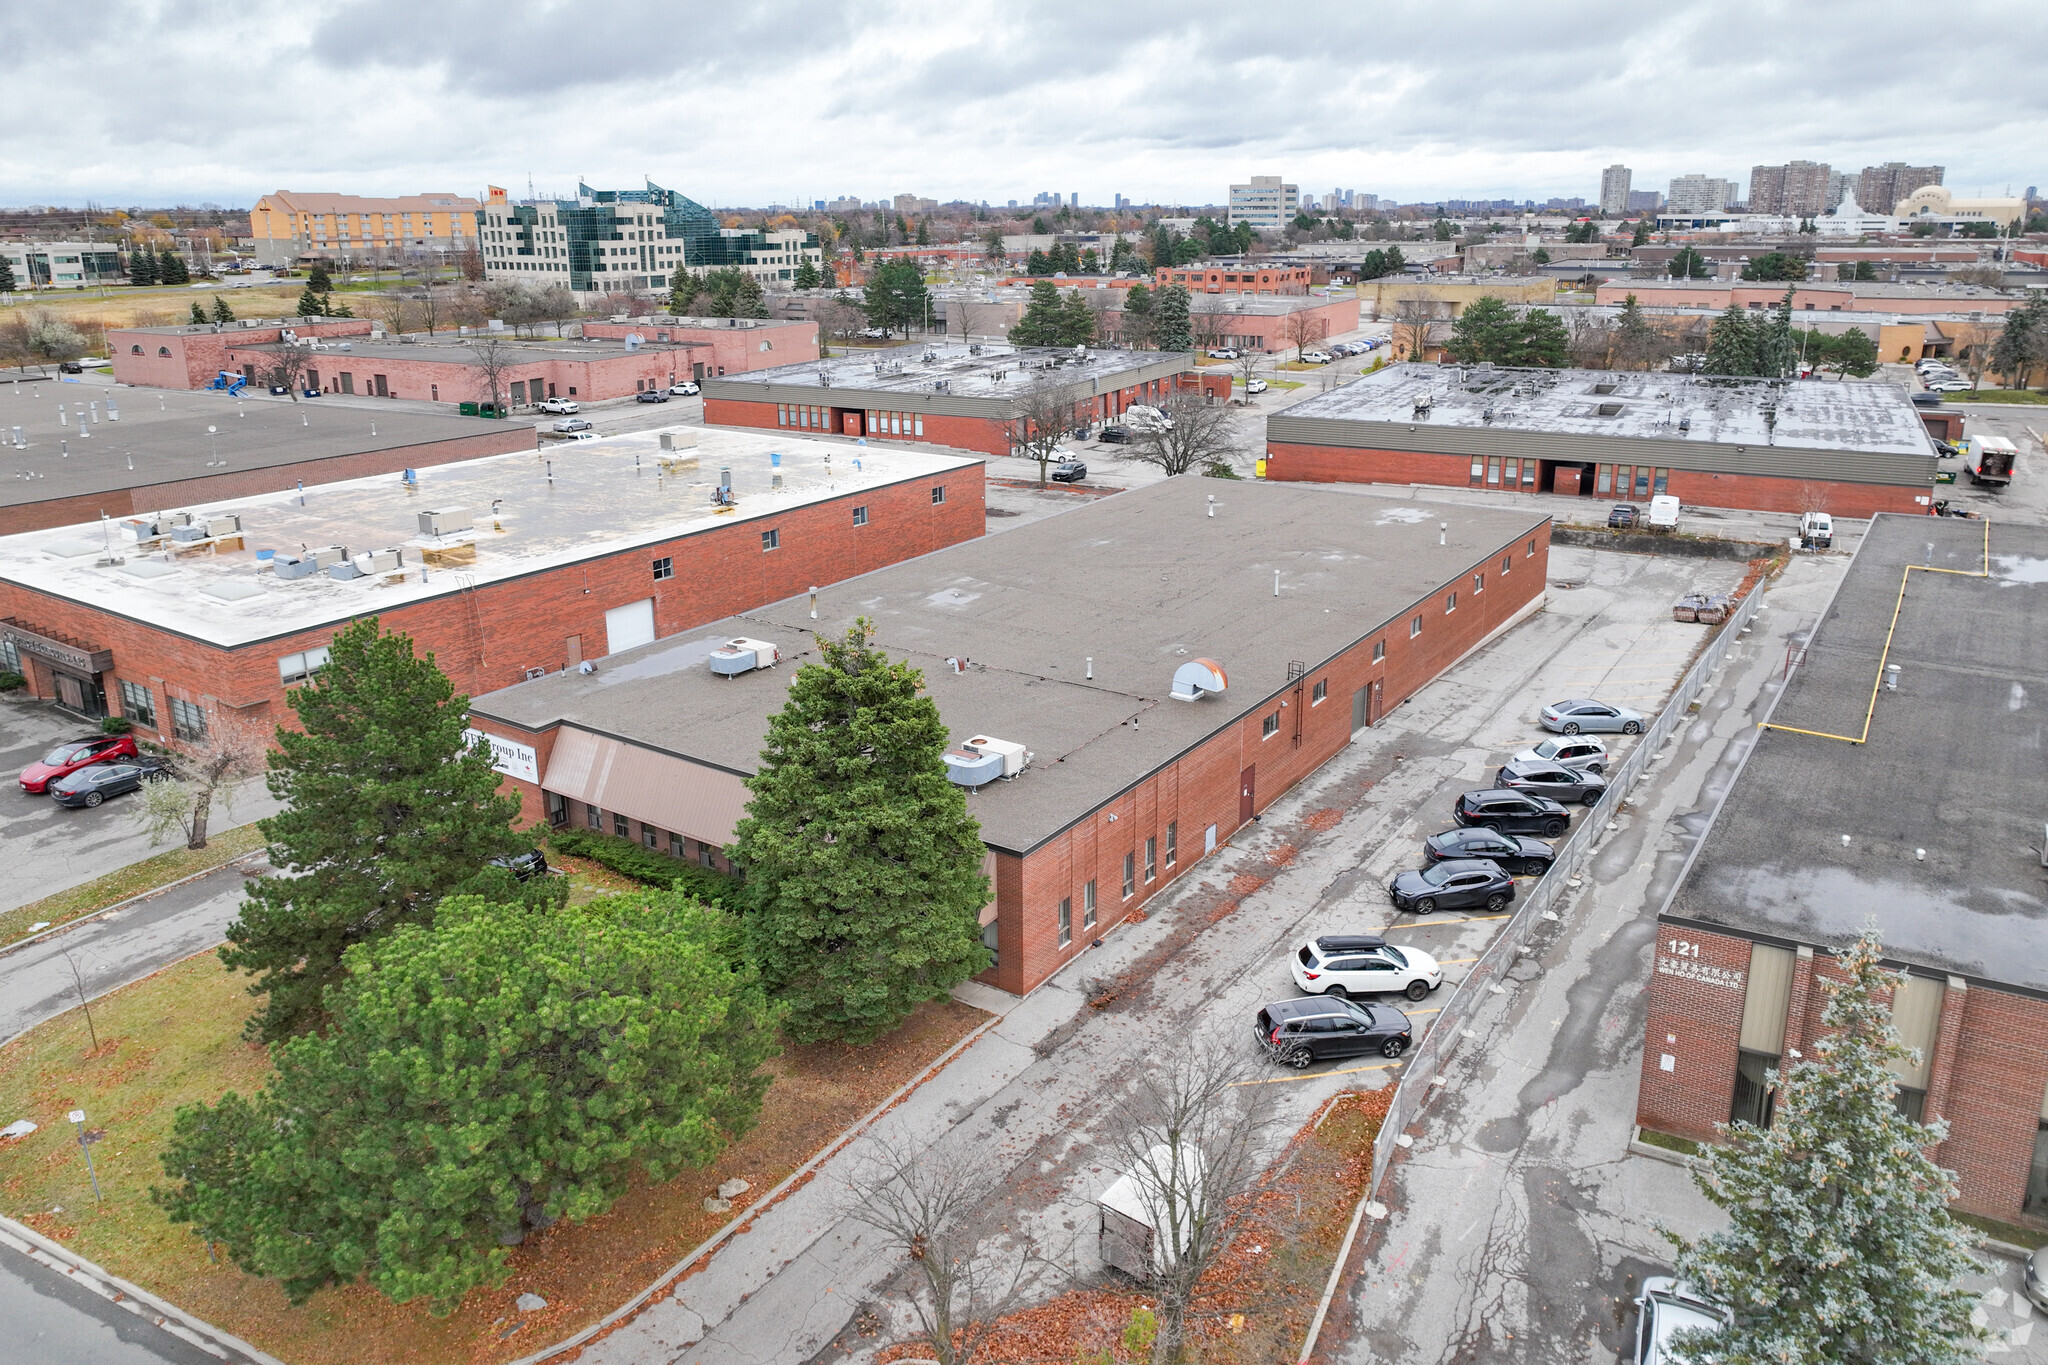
1947	450
1069	471
572	424
1255	386
1223	353
2034	1279
1363	964
1509	812
651	396
1317	357
875	333
1553	780
564	406
1516	854
95	782
1623	517
1460	884
1666	1308
1949	386
525	866
1577	751
1816	530
687	389
73	754
1580	715
71	367
1141	418
1926	400
1299	1033
1114	436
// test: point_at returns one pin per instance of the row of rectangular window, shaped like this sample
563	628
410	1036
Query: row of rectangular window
1615	479
1130	874
1504	472
651	836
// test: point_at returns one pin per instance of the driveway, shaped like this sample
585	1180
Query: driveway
1030	1099
48	848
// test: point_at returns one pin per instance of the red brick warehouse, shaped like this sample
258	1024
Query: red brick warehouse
1929	828
504	568
963	396
1062	645
1846	448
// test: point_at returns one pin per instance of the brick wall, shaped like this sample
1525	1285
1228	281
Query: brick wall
1697	983
723	350
488	638
196	357
446	376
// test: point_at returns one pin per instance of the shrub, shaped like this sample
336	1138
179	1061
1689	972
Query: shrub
117	725
644	864
12	682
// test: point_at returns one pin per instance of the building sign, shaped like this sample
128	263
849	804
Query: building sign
1692	970
63	653
513	760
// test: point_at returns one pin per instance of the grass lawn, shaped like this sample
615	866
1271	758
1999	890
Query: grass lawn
1285	384
1996	396
132	880
176	1038
161	305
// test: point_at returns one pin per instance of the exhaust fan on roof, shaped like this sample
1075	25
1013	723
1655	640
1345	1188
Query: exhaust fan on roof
1196	679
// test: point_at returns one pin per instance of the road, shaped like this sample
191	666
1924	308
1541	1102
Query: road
52	1319
1032	1097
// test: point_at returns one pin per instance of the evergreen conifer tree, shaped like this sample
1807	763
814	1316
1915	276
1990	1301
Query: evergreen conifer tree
747	301
1137	329
318	280
170	268
806	276
7	283
1077	320
1777	355
1839	1246
308	305
1041	322
387	809
335	310
221	311
1731	348
684	288
142	266
863	867
1170	326
198	315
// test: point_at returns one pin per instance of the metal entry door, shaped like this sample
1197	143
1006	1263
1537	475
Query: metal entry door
1247	785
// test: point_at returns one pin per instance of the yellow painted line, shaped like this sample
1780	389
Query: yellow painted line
1432	923
1454	961
1318	1075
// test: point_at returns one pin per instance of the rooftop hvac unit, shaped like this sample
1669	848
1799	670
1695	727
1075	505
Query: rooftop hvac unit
188	533
982	759
228	525
1196	679
743	656
445	522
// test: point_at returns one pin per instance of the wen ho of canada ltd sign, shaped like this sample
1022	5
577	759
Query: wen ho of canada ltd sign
63	653
513	760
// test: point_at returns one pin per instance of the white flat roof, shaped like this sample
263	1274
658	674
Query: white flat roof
605	496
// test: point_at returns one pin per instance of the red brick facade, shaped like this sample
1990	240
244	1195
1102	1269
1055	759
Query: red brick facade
190	358
489	637
1694	488
1987	1074
722	350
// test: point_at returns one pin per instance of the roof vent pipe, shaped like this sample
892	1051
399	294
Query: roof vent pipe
1212	504
1276	582
1443	531
1091	668
814	601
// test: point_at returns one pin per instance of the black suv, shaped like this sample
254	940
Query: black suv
1113	436
1468	885
1515	853
1300	1033
1069	471
525	866
1507	812
1623	517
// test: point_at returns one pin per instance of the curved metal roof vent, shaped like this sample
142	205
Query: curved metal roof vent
1197	678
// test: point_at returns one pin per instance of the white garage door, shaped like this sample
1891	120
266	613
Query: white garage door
630	625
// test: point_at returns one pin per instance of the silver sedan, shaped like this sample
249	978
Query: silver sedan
1580	716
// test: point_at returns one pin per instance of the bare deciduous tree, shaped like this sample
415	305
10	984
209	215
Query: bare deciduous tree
429	303
1044	414
1247	367
492	355
928	1206
1189	1139
1304	329
287	369
396	309
962	311
1208	323
1592	340
1416	325
1200	433
841	317
204	773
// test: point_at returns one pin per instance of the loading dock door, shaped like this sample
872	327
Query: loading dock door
630	625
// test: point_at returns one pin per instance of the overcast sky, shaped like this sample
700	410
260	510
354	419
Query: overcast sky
160	103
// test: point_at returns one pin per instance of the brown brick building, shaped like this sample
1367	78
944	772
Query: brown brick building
1847	448
503	567
1932	829
1324	609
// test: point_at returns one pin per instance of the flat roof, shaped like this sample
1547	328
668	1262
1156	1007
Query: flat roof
605	496
1954	766
970	370
1808	414
162	436
458	351
1140	583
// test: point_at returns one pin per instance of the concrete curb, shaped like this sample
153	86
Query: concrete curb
682	1269
138	1301
124	904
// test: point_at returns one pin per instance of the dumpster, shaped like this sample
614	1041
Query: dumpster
466	409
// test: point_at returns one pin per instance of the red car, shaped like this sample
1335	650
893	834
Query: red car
72	755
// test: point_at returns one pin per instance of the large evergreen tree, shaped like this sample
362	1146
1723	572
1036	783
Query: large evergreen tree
198	316
1137	324
1839	1247
1777	355
806	276
387	809
1731	347
747	299
1040	323
1481	331
1171	329
1689	264
504	1068
1538	339
142	266
1077	320
895	297
221	311
318	280
308	305
7	281
683	290
863	867
170	268
2022	345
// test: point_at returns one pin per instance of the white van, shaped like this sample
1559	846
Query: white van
1816	531
1664	512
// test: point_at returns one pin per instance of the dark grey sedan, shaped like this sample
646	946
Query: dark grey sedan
1515	853
1459	885
91	785
1553	780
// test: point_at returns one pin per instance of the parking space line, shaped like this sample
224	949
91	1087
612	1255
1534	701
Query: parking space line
1432	923
1318	1075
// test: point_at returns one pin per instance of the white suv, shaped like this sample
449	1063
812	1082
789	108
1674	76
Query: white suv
1574	751
1362	964
1667	1308
561	405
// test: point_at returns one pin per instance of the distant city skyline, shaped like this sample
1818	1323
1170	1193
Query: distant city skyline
978	101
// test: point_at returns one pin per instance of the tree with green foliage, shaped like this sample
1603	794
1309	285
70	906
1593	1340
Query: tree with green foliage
1038	263
2022	344
1776	355
504	1068
683	289
1731	346
1077	320
863	867
1538	339
1775	265
896	296
924	232
1137	319
1172	329
1039	325
388	808
1854	353
1540	256
747	300
309	305
198	315
335	310
1637	344
1922	229
721	291
1481	332
142	266
1689	264
806	276
992	249
7	280
1443	230
221	311
1091	262
318	280
1982	229
1840	1246
1641	234
1122	256
170	268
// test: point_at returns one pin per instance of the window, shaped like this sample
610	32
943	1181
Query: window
706	856
1507	563
593	818
1532	551
1319	692
860	516
1270	727
1414	626
1478	584
187	720
1152	859
770	540
1066	921
1130	875
1478	468
1379	651
650	836
678	846
1208	840
1753	1097
1172	841
1663	482
919	420
989	941
138	703
1088	906
621	826
1493	469
938	494
781	414
665	567
134	350
558	809
1450	604
1642	481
